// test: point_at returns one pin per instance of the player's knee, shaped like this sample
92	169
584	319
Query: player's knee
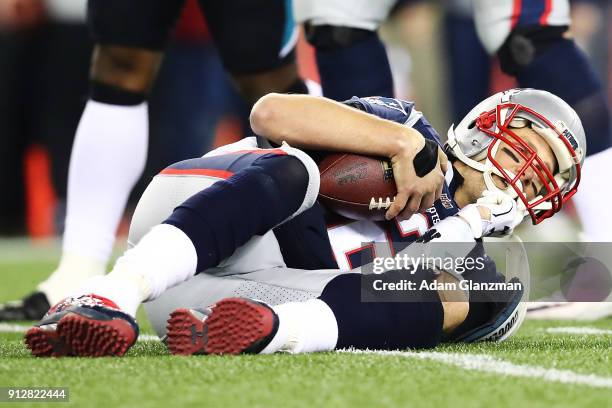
130	69
330	37
287	177
283	79
227	214
523	45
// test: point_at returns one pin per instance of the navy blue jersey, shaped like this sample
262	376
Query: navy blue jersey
396	110
353	241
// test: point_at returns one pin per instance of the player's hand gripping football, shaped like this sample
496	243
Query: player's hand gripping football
493	214
418	183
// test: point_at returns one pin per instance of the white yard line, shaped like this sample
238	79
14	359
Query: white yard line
579	330
148	337
12	328
490	364
16	328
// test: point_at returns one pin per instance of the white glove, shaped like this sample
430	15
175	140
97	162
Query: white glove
504	214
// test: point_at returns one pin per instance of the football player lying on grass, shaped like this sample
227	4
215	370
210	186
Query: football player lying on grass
244	221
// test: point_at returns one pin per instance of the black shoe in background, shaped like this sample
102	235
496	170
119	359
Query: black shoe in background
32	307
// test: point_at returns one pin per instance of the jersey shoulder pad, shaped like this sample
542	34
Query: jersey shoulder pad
396	110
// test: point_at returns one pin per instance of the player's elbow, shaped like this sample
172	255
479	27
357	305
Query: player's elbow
264	116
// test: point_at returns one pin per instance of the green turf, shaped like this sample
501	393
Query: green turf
149	377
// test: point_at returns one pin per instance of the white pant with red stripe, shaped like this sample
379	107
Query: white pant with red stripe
363	14
495	19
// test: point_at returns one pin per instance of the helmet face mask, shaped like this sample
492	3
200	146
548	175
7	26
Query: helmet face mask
493	124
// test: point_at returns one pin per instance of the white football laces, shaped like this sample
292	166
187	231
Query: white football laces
380	204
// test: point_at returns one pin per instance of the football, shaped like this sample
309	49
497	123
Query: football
357	187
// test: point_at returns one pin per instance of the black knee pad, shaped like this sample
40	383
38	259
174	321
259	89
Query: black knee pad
112	67
524	44
328	38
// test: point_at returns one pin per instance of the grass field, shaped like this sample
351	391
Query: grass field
535	368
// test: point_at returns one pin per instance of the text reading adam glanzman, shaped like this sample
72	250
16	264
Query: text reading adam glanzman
406	285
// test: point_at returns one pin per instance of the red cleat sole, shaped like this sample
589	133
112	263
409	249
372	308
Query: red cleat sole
186	335
238	326
95	338
44	343
80	336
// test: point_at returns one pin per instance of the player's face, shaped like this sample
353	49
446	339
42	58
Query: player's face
509	159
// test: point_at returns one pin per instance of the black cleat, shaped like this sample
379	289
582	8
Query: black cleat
32	307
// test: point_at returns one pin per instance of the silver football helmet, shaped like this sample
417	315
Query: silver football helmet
476	139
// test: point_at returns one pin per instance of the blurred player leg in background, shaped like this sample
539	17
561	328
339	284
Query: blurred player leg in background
533	42
35	110
256	42
592	19
44	63
413	36
64	96
192	97
110	145
350	56
13	49
469	65
109	153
